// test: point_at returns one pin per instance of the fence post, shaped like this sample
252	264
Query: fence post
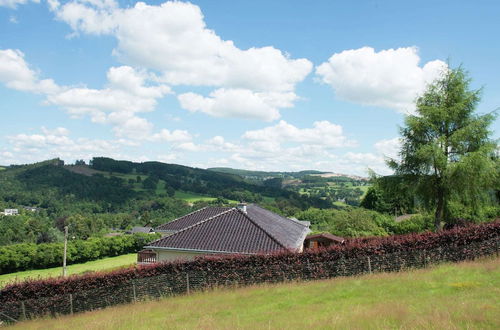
187	284
496	246
369	265
23	311
71	303
134	292
425	259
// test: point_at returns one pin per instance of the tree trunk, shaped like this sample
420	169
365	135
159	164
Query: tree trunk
439	209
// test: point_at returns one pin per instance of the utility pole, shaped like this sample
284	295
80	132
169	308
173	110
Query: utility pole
65	249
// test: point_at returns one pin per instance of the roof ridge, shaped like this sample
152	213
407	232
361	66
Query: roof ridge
260	227
186	215
296	221
194	225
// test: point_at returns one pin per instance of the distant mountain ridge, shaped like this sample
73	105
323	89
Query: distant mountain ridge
285	175
109	180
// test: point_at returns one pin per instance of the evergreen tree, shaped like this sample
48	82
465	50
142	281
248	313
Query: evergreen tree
446	149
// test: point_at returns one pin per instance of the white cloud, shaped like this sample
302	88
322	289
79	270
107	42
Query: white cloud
51	143
188	146
219	143
323	133
390	78
126	93
389	148
239	103
172	39
16	74
15	3
175	136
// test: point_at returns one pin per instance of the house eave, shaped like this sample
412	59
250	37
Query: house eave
195	250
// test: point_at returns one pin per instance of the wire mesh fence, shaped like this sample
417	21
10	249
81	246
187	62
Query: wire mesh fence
170	284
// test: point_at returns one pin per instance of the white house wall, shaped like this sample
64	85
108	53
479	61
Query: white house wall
171	255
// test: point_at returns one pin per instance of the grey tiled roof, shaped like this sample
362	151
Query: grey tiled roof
232	231
191	218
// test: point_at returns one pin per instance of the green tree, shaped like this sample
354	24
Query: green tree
446	149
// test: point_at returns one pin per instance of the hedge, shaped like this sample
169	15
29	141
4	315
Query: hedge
18	257
386	253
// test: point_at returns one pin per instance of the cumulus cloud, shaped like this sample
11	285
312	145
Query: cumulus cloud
15	3
173	39
390	78
51	143
126	94
15	73
175	136
238	103
323	133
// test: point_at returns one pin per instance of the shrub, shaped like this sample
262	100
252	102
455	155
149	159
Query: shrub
453	245
355	222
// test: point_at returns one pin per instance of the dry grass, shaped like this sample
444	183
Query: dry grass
455	296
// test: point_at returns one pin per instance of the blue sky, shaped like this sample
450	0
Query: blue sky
270	85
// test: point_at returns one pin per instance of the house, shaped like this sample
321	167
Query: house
10	212
246	229
31	208
322	240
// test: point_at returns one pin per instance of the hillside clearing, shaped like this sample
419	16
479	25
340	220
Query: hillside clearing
96	265
444	297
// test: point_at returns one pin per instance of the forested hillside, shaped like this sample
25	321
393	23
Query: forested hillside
109	195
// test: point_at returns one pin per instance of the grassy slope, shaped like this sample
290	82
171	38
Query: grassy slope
96	265
446	297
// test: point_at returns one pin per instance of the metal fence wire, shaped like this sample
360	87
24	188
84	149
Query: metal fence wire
165	285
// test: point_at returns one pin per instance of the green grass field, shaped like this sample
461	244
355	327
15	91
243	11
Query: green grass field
96	265
451	296
192	197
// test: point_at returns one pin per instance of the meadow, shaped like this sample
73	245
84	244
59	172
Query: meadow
105	264
447	296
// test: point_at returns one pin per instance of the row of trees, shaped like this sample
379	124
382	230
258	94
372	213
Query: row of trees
17	257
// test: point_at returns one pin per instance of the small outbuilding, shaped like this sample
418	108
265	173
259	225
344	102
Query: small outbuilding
322	240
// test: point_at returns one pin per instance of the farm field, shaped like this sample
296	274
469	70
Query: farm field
192	197
96	265
448	296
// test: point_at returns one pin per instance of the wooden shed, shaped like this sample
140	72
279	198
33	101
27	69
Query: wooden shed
322	240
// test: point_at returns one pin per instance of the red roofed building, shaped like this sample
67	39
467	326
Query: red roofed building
246	229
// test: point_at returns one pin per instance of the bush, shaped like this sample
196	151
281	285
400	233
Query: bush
17	257
453	245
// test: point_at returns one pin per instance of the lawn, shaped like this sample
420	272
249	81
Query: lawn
448	296
96	265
